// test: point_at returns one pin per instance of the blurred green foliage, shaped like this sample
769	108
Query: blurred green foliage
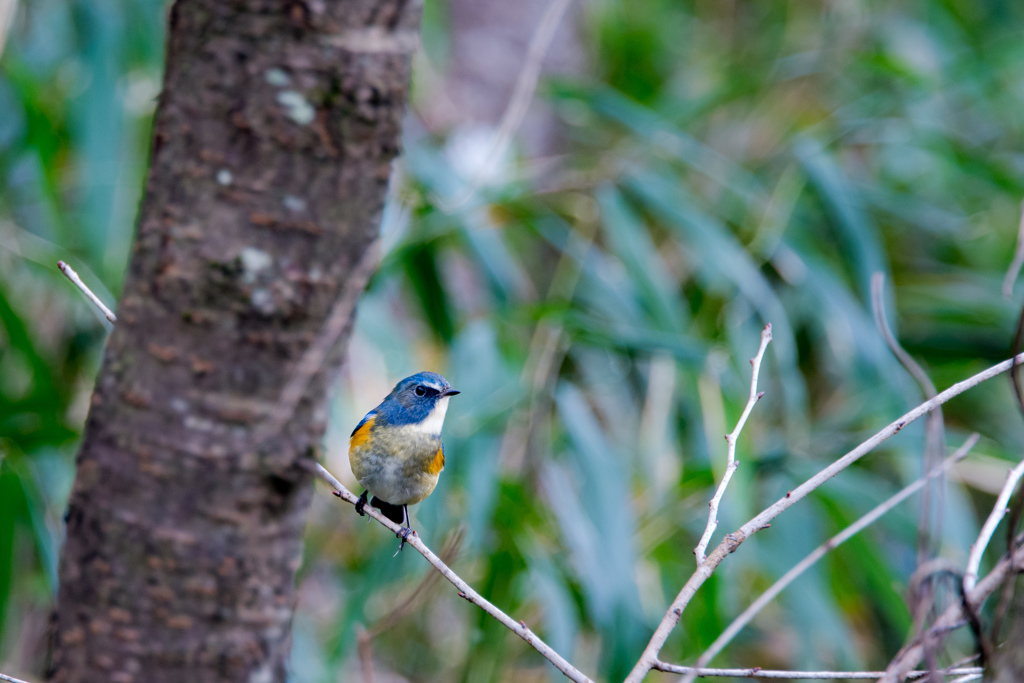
78	82
724	165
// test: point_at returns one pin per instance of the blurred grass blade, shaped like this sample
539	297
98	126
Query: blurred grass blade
858	237
632	244
723	263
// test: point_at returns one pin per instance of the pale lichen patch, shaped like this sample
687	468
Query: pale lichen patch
254	261
263	301
295	204
276	77
299	109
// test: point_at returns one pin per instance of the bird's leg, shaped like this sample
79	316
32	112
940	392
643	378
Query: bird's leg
406	530
361	504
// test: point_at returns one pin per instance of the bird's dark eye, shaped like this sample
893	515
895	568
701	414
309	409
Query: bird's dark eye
420	390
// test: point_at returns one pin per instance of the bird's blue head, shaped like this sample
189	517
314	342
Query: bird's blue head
421	399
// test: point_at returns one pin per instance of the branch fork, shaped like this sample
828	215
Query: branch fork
707	564
705	569
730	440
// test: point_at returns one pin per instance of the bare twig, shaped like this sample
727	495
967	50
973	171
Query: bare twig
748	614
518	104
761	521
730	440
934	445
1009	587
987	529
77	281
1018	259
1017	508
11	679
757	672
465	591
925	586
317	352
905	359
1002	608
953	617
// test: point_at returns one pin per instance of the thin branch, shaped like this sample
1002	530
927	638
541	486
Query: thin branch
11	679
757	672
935	439
905	359
518	104
987	529
730	439
761	521
747	616
77	281
953	617
1009	587
1018	259
465	591
317	352
924	588
1017	508
968	678
290	397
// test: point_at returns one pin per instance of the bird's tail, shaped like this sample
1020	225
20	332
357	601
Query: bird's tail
395	513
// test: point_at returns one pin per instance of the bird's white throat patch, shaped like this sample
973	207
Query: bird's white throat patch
432	425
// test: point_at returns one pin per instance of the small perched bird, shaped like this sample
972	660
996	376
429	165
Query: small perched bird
396	452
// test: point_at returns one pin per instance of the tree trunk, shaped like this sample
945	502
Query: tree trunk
272	149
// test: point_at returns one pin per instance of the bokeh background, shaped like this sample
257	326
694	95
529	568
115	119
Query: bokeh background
688	171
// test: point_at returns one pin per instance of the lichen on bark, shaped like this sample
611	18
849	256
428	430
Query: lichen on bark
272	148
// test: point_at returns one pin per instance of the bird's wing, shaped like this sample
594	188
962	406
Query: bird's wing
437	464
364	424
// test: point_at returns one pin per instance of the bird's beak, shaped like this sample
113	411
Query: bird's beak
449	392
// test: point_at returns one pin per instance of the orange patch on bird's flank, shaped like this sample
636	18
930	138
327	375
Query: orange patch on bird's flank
361	435
437	464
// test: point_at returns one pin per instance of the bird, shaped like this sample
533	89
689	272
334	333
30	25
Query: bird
396	451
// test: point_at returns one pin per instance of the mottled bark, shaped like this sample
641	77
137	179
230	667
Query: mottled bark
272	148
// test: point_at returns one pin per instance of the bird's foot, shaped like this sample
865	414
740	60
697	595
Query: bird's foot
361	504
403	534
